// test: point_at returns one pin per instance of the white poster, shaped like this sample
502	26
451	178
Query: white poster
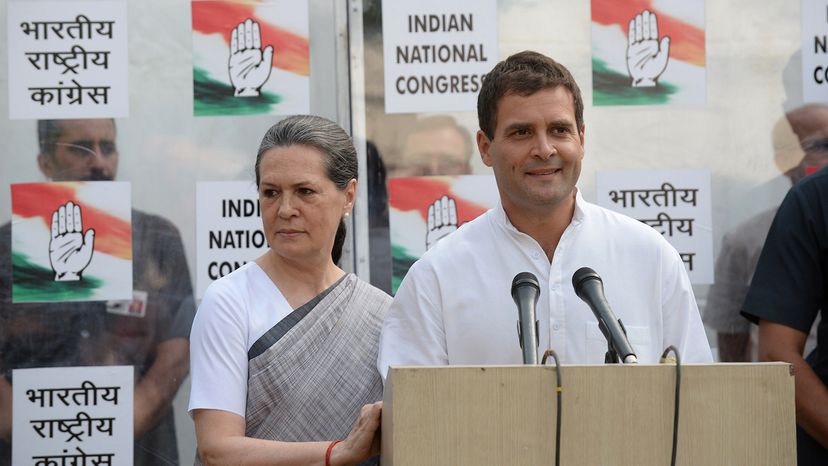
72	415
437	53
251	57
67	59
676	203
229	229
814	50
71	241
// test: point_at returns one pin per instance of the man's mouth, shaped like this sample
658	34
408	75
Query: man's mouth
543	171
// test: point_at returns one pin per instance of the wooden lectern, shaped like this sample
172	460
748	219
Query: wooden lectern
730	414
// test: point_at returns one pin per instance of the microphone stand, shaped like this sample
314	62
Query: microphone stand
611	356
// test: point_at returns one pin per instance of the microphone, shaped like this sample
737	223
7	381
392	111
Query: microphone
589	287
525	292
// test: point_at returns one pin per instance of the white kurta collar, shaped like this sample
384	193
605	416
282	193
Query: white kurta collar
501	219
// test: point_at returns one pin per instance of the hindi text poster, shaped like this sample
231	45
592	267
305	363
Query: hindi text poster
72	415
67	59
677	204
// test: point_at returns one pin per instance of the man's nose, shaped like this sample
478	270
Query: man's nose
543	146
97	155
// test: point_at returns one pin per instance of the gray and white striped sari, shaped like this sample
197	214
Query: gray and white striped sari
311	373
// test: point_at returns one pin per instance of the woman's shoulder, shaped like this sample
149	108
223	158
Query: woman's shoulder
236	280
234	290
367	292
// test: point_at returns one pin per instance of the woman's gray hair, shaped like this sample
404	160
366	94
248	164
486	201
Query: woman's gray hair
321	133
331	140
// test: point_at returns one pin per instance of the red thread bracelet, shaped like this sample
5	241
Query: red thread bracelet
328	452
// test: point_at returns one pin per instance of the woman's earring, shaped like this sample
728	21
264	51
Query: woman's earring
346	215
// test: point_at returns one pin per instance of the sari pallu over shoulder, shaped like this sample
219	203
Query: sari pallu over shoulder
311	373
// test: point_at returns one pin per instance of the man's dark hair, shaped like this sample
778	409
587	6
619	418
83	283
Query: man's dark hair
48	132
524	74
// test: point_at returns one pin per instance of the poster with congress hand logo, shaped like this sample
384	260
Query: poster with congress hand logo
426	209
250	57
71	241
648	52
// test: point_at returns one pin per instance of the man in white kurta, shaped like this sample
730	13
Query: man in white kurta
455	306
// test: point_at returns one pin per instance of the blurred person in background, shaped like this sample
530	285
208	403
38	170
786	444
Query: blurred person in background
154	340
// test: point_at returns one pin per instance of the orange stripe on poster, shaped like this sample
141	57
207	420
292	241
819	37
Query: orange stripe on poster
686	40
290	51
418	194
112	234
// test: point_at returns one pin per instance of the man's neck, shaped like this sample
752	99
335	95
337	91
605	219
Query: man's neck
546	226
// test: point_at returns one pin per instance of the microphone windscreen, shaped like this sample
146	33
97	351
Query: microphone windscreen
581	275
525	278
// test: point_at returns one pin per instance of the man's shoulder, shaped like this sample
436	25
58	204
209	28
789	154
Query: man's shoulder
154	236
465	240
750	234
457	249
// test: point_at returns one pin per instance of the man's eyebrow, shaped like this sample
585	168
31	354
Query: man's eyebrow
517	125
562	122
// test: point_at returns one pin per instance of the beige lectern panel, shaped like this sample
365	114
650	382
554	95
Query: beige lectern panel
612	415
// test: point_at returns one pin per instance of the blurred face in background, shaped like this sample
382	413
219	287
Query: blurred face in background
84	150
435	151
810	124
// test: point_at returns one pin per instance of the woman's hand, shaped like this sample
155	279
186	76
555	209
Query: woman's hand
364	440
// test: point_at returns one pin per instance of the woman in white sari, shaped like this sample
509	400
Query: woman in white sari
284	348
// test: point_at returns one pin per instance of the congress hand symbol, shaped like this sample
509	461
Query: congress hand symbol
646	56
70	250
442	220
249	66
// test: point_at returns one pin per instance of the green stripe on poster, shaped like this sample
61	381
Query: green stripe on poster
612	88
32	283
215	98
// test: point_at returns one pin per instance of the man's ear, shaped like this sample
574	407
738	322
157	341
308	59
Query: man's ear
484	145
46	164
